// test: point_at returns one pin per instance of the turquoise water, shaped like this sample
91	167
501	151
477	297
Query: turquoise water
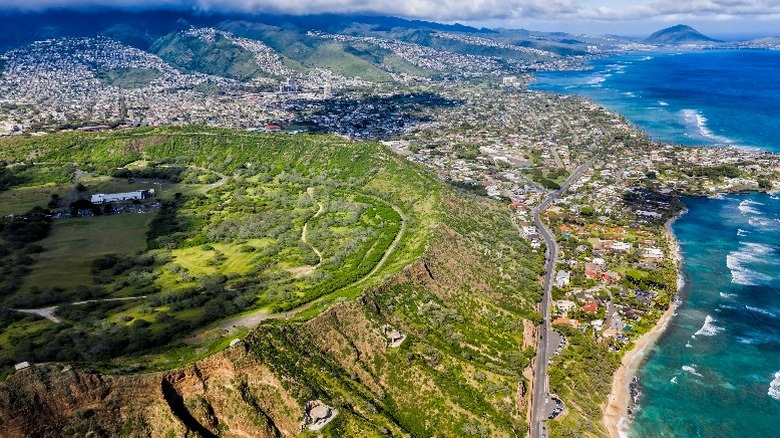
696	98
716	370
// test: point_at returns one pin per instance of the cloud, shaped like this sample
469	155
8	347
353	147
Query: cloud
681	9
452	10
444	10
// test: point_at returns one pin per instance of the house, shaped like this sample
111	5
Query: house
562	278
652	253
572	322
649	214
591	307
564	306
597	324
22	365
621	246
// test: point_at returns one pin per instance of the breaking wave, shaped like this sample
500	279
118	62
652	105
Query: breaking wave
697	119
745	208
762	311
691	369
749	254
709	328
774	387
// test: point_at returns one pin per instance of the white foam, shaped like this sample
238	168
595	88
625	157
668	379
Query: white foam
741	232
691	369
745	207
674	380
596	80
761	311
662	103
757	221
708	329
629	94
694	117
774	387
725	295
749	253
688	345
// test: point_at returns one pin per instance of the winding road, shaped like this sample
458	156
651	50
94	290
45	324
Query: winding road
540	399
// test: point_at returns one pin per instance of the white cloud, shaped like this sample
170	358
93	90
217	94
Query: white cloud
681	9
444	10
452	10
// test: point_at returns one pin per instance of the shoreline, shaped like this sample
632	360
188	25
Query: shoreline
615	412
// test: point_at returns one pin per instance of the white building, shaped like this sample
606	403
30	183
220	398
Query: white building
562	278
137	195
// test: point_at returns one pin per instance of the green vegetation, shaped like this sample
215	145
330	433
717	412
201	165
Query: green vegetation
129	77
581	375
209	251
462	279
218	57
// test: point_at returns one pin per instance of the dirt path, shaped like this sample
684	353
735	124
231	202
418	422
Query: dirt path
254	319
310	191
48	312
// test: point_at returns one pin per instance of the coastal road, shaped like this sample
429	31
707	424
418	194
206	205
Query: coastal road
541	403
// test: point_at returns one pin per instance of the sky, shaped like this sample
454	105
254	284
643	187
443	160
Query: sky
625	17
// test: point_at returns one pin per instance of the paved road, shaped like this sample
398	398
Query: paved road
540	399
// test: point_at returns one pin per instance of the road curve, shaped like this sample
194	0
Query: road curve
541	394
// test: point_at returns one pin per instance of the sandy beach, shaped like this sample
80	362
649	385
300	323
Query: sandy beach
619	398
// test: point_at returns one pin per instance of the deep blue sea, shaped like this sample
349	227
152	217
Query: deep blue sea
693	98
716	370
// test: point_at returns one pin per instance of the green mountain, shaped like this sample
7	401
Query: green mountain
679	34
218	56
388	250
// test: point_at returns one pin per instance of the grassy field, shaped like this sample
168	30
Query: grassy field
197	260
73	244
22	200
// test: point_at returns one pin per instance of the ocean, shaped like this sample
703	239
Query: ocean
716	370
691	98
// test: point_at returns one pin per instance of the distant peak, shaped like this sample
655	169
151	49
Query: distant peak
679	34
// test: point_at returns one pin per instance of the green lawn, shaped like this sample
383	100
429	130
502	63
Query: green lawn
22	200
73	244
